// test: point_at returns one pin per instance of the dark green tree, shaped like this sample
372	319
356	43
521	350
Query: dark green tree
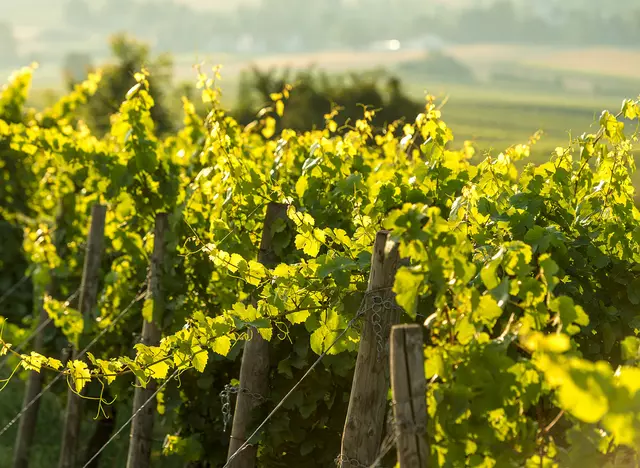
76	67
118	78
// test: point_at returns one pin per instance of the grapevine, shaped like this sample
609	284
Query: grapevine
527	274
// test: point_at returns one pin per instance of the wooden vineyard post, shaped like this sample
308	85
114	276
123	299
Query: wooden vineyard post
409	402
254	369
364	423
142	426
27	425
88	298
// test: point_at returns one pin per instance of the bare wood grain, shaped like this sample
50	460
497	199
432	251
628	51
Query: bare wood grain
364	425
254	369
408	384
141	434
88	298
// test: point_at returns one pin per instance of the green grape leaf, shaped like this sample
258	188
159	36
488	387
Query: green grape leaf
630	348
301	186
407	286
517	257
489	274
298	317
310	241
487	312
79	373
633	291
570	313
33	361
266	333
147	310
246	313
317	339
200	358
221	345
146	160
159	370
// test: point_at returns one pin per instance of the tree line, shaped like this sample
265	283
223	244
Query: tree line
276	26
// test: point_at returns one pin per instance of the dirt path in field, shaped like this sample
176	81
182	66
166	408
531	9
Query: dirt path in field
604	60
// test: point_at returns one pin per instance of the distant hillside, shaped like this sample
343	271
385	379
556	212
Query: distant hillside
47	30
50	12
612	7
213	4
22	12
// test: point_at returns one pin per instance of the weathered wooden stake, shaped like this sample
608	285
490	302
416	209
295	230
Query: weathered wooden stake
88	298
408	384
254	370
364	424
27	427
35	381
142	425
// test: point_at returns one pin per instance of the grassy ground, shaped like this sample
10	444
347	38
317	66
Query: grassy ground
610	61
494	119
46	448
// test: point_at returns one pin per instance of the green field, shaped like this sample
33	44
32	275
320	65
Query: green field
495	120
493	115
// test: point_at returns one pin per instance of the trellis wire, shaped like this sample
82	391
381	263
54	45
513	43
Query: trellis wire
15	286
117	433
36	331
80	354
360	313
225	397
378	305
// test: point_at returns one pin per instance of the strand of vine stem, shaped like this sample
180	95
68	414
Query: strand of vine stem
80	354
26	340
360	313
117	433
385	447
388	442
